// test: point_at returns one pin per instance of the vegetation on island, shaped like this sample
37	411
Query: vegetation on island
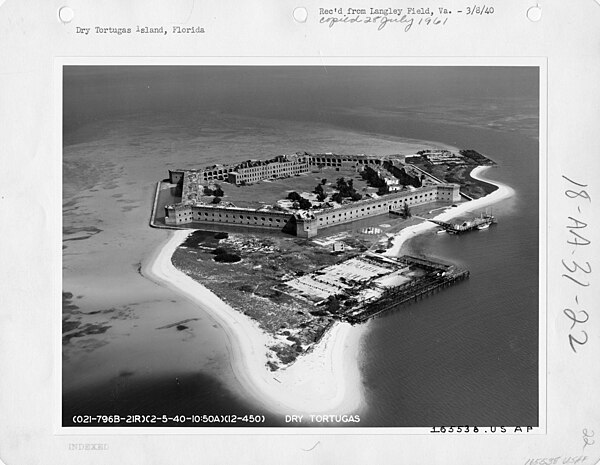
321	195
346	190
405	212
403	177
216	192
477	158
458	173
299	202
225	255
373	179
262	261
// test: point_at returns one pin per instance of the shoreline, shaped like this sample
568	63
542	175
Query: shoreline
503	192
325	380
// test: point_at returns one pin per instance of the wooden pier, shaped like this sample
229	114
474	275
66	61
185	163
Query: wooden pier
479	222
438	277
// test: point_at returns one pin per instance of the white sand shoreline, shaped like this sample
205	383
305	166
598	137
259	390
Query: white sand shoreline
503	192
325	380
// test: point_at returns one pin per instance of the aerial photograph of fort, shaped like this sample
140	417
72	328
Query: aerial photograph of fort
294	288
264	258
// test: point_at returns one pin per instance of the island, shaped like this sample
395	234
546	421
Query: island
289	252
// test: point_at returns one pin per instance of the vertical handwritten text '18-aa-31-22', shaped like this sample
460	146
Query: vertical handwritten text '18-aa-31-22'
576	269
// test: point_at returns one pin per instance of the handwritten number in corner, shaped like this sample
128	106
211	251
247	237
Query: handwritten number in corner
578	271
573	339
570	314
587	441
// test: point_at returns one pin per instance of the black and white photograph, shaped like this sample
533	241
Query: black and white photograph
317	232
302	246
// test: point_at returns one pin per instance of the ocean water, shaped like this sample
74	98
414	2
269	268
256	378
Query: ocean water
464	356
468	355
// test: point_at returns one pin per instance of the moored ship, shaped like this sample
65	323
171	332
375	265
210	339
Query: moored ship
481	222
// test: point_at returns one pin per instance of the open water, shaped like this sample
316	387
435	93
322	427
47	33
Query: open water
469	354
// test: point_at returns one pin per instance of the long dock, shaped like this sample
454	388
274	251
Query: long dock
438	277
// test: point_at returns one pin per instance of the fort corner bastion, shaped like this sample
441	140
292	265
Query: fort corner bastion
391	172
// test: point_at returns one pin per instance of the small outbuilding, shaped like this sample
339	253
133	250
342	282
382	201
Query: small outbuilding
338	246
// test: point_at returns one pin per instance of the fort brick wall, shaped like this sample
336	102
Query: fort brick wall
282	166
180	215
333	160
309	224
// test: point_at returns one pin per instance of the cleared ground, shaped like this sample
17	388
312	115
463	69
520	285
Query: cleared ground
269	192
247	285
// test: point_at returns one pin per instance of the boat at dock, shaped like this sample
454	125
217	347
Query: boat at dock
481	222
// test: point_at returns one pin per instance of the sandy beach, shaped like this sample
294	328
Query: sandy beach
503	192
325	380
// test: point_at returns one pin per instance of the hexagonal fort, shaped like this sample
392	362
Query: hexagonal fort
256	192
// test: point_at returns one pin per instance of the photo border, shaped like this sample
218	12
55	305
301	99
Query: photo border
56	238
